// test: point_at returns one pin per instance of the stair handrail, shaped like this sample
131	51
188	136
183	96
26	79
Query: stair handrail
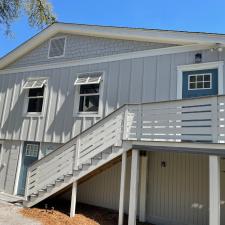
48	158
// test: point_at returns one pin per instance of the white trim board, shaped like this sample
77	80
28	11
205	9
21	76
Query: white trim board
164	36
19	165
110	58
201	66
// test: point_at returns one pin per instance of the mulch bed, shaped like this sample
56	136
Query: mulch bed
86	215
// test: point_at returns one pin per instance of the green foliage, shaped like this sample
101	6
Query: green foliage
39	12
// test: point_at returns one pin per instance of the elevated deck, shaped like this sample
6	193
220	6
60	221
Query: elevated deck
194	125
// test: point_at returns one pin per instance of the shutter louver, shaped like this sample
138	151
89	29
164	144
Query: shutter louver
34	83
89	79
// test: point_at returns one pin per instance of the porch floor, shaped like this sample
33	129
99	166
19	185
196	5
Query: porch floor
86	215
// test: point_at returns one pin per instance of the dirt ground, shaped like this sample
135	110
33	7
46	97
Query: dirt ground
9	215
86	215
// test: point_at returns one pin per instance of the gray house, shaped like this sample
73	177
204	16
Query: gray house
128	119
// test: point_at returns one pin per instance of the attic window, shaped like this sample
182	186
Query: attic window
57	47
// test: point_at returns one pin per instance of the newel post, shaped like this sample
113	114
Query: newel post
139	122
77	153
215	136
125	128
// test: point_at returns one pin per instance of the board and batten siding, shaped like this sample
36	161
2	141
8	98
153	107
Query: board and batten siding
176	195
138	80
103	190
9	162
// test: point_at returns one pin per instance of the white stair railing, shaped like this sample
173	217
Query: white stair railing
63	161
198	120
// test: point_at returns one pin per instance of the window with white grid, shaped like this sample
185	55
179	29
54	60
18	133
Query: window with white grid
32	150
200	81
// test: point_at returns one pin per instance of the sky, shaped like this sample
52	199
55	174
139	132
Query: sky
187	15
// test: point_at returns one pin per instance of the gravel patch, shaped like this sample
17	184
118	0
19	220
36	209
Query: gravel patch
10	215
85	215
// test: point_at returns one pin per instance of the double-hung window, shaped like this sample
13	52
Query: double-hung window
35	95
89	93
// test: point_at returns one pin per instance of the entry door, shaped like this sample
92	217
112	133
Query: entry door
200	83
30	155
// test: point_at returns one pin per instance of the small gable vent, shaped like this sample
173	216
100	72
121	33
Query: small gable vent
57	47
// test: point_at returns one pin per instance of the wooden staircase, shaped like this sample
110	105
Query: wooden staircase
80	156
193	120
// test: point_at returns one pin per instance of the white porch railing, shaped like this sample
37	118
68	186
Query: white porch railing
198	120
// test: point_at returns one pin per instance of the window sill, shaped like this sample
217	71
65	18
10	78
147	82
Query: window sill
40	115
88	115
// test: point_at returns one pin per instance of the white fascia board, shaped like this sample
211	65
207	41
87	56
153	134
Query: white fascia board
28	46
110	58
165	36
173	37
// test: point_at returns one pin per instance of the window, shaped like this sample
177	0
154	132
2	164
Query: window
35	100
57	47
32	150
199	81
89	92
89	98
35	95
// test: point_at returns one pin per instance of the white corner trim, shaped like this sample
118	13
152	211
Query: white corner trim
19	165
201	66
110	58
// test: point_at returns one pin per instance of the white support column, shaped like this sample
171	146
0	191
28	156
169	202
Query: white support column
143	187
134	181
214	190
73	199
122	188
